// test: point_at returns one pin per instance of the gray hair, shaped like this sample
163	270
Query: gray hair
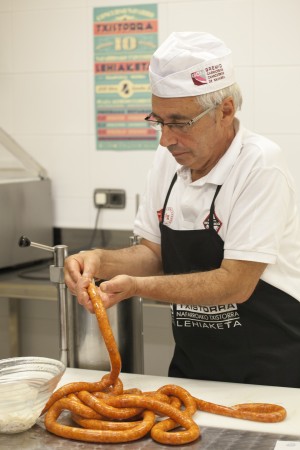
215	98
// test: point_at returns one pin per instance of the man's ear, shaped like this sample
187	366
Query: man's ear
227	110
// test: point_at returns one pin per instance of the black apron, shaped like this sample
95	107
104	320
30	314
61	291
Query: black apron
255	342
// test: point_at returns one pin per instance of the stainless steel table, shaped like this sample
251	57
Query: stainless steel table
211	439
218	433
15	287
31	282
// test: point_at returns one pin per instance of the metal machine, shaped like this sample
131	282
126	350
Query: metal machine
25	203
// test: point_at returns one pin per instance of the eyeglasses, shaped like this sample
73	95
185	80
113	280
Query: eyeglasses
176	126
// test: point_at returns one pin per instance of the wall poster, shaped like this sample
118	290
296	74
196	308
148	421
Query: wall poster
124	41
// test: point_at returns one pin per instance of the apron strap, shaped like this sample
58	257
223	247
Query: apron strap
167	197
212	208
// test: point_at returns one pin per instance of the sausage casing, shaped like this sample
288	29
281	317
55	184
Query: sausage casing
104	412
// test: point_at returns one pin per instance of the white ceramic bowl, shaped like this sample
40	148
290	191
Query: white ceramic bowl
26	384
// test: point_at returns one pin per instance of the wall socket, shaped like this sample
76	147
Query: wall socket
109	198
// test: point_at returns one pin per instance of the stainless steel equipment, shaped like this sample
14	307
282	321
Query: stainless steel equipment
211	438
25	203
126	322
65	306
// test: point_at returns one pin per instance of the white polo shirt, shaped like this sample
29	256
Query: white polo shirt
256	211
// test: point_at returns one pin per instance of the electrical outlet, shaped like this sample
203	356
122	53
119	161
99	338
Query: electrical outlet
109	198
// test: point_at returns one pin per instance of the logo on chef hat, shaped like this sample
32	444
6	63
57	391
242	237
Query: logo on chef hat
199	78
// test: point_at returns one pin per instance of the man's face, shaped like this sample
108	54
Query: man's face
200	146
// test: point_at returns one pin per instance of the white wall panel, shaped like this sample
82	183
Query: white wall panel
40	147
23	5
231	21
6	5
277	96
290	143
50	40
277	32
244	78
73	212
6	102
6	34
51	103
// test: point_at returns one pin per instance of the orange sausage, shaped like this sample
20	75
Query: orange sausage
106	331
106	413
258	412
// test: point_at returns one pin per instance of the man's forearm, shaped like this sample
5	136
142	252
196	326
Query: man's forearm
233	282
138	260
190	289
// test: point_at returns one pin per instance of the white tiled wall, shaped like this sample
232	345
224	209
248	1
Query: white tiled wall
46	89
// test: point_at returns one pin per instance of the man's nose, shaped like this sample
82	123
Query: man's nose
167	136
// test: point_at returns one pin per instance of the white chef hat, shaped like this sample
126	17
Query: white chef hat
189	64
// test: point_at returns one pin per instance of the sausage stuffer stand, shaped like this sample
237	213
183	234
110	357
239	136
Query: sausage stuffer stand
65	307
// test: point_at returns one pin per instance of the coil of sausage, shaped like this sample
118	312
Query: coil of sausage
104	412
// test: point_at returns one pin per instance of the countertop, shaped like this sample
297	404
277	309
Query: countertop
30	282
217	432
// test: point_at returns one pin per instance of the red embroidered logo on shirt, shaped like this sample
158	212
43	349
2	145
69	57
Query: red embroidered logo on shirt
169	214
216	223
159	215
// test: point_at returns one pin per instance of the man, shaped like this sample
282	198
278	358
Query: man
219	228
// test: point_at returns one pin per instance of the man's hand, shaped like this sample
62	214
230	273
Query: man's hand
117	289
80	270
